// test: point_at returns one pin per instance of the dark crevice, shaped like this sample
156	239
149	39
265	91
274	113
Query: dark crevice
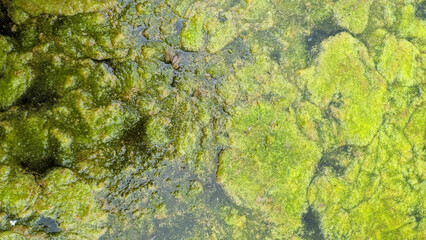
39	168
6	24
35	97
137	134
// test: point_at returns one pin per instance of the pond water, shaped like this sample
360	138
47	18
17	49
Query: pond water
222	119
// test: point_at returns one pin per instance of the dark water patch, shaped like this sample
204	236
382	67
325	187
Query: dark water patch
179	26
276	55
177	230
312	225
47	225
269	38
421	10
337	160
237	50
319	33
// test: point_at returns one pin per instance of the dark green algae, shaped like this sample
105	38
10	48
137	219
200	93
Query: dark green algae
285	119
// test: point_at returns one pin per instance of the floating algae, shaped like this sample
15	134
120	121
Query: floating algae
225	119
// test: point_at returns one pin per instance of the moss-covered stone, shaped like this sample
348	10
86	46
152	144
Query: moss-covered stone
411	26
27	141
221	31
357	204
12	236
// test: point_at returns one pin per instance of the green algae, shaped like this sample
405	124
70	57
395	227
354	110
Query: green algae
80	214
352	15
21	9
192	35
11	236
408	69
268	149
19	192
283	120
15	75
346	83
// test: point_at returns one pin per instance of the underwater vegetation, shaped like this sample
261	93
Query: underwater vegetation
220	119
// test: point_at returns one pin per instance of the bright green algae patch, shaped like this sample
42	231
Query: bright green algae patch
267	119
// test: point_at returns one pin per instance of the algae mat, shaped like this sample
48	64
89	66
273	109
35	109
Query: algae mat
219	119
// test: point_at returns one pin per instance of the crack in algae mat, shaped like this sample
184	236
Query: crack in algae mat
219	119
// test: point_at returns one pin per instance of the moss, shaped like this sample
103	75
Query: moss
362	194
308	115
352	15
412	27
27	141
276	124
180	6
96	37
156	131
6	47
415	130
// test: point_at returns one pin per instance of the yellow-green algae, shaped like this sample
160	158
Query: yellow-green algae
285	119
